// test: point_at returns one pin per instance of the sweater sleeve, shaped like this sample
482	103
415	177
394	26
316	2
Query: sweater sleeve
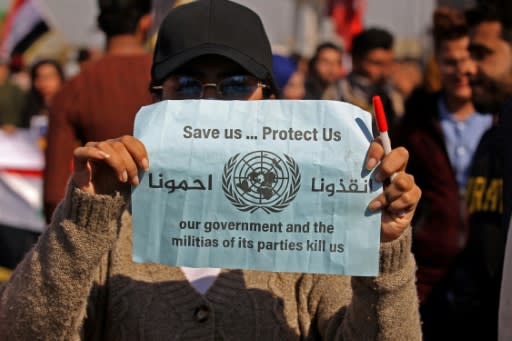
47	295
375	308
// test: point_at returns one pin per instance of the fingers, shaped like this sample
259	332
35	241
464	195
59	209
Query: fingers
400	197
127	154
392	163
136	150
375	154
82	173
120	160
130	171
124	156
401	194
82	155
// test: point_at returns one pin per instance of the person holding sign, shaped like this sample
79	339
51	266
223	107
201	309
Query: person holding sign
79	281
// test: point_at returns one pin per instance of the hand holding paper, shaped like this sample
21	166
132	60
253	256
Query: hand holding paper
108	166
400	198
401	195
271	185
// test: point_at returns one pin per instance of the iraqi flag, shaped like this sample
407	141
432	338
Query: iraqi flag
23	25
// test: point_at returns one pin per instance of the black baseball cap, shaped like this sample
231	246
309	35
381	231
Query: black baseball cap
218	27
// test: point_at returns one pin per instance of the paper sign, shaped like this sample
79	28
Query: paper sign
267	185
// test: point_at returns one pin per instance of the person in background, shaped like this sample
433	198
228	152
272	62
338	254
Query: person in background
432	75
20	74
12	100
88	54
47	77
324	72
289	79
301	62
372	64
481	263
407	76
442	130
80	282
102	100
505	126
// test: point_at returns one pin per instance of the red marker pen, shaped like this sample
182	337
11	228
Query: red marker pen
382	124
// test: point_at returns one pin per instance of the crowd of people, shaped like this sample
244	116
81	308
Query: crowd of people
445	216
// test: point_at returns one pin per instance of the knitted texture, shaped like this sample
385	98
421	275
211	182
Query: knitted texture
79	283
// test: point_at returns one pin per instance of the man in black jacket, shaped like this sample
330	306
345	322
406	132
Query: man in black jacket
482	262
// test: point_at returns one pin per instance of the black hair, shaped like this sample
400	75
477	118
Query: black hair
83	55
121	16
52	62
448	24
319	49
371	39
33	75
324	46
489	12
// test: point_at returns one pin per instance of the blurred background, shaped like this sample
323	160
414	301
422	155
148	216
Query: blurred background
57	29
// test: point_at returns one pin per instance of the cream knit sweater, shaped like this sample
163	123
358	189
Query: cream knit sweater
79	283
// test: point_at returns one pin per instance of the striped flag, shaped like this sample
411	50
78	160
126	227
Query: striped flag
22	26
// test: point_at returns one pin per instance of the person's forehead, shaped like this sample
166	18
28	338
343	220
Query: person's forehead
329	52
46	68
380	53
459	45
487	32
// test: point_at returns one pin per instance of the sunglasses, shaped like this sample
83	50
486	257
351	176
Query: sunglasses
229	88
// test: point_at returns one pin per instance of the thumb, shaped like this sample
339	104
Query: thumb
83	158
82	175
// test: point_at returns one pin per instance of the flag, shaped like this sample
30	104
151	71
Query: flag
22	26
347	16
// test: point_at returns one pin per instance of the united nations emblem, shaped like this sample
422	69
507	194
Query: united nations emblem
261	179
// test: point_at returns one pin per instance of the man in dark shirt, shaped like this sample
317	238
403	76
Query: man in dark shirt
480	268
372	62
101	102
